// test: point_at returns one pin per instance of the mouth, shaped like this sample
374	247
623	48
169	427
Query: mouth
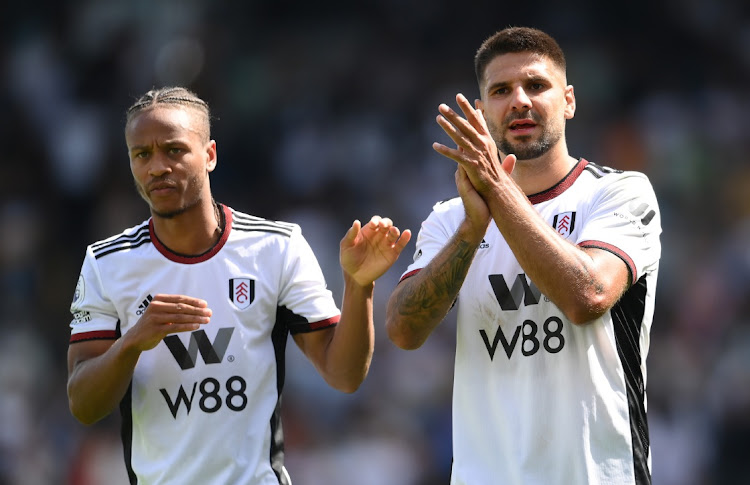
522	127
161	188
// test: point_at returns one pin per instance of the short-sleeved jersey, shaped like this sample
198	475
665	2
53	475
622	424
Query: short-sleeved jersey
537	399
203	407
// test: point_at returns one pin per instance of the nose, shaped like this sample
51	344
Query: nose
158	165
519	100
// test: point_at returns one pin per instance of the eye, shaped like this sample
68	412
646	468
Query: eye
536	86
140	155
501	90
175	150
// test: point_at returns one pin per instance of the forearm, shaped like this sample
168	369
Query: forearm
97	385
562	271
421	302
349	352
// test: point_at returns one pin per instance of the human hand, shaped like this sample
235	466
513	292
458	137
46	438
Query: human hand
476	151
367	252
477	212
167	314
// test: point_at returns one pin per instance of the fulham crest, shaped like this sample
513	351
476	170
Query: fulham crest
241	292
564	223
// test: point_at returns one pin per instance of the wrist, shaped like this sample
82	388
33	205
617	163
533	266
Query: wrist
351	284
471	232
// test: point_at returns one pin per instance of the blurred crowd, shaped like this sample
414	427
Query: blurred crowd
325	112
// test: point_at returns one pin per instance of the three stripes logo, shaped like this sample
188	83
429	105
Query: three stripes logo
144	304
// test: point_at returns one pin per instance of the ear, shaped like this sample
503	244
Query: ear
570	102
211	156
478	105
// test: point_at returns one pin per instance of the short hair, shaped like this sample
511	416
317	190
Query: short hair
171	95
517	39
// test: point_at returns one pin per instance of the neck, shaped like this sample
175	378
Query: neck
192	232
539	174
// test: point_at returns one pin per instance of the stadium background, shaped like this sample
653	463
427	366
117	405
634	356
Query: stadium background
324	112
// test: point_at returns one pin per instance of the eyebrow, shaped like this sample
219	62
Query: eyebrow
532	79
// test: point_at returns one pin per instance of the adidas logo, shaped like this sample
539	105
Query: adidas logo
144	304
484	244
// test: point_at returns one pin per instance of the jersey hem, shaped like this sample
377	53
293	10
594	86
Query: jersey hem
95	335
617	252
312	327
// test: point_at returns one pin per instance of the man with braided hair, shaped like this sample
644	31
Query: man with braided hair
182	320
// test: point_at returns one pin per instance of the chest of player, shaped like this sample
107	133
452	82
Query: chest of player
242	291
501	310
225	365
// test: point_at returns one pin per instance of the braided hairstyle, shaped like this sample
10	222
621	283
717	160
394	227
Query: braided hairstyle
172	96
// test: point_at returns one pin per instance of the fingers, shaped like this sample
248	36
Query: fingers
403	240
509	163
178	310
457	128
468	132
353	232
380	223
473	115
470	126
180	299
383	227
462	179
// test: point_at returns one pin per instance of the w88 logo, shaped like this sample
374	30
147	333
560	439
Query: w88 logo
550	338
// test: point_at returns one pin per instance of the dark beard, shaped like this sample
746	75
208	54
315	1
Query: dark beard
528	151
525	151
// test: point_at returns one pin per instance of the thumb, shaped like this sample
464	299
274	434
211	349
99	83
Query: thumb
509	163
352	233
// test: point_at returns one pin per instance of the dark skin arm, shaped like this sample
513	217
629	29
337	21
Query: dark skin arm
99	371
342	354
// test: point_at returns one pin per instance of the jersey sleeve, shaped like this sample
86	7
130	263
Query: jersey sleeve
94	315
433	235
305	303
625	221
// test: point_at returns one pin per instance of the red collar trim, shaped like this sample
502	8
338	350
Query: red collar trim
561	186
185	259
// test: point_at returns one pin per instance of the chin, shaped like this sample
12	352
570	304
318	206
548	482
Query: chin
166	213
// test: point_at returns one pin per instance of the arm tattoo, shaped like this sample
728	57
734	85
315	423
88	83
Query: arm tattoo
439	288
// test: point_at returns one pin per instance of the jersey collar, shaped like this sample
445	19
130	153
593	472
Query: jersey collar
560	186
226	221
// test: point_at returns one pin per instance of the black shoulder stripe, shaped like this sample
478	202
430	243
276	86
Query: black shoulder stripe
600	171
266	226
133	236
248	219
103	251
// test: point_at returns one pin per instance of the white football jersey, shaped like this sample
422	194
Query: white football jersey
203	407
537	399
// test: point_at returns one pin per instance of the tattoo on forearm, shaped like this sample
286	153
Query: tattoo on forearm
435	295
